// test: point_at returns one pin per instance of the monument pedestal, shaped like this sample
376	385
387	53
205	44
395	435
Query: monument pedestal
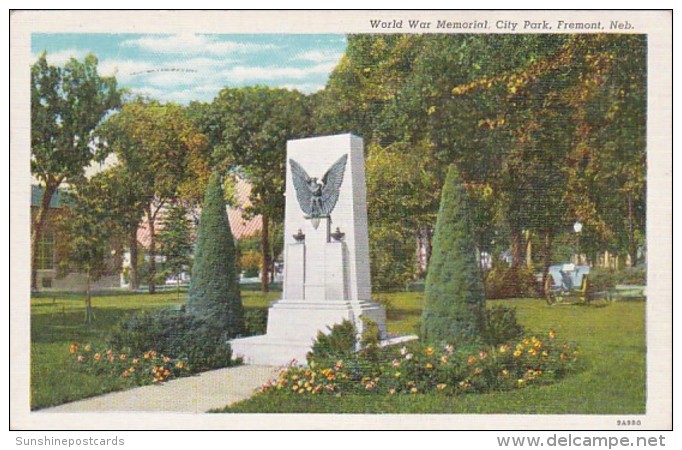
326	275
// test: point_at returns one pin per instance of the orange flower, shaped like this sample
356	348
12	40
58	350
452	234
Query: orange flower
136	360
552	334
126	374
73	348
472	359
166	359
428	351
482	354
97	356
123	356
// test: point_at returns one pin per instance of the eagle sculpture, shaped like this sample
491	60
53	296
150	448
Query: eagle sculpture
317	199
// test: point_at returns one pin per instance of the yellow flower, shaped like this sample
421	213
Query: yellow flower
88	348
97	356
429	366
428	351
520	382
517	353
123	357
483	354
397	375
391	391
504	348
131	370
478	371
413	390
136	360
505	373
126	373
80	358
526	342
441	386
444	359
180	365
73	348
552	334
532	351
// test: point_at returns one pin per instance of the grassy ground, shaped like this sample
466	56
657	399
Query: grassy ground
57	321
612	341
613	380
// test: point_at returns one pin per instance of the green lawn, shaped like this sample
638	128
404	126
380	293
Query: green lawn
57	321
612	340
612	381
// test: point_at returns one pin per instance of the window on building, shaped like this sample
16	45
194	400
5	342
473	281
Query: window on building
46	251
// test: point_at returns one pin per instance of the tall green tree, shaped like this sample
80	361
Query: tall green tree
90	233
214	292
248	129
454	293
67	104
176	240
164	153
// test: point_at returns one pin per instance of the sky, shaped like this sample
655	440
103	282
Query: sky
186	67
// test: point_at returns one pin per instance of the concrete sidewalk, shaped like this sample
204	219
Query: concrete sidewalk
196	394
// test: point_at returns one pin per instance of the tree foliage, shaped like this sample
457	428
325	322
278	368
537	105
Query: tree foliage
454	295
163	153
248	129
214	293
67	104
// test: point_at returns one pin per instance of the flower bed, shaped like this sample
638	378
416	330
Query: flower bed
419	368
146	368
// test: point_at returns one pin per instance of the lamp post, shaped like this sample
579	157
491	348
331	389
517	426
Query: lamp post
577	227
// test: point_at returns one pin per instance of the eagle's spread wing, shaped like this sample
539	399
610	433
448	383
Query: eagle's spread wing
301	181
332	183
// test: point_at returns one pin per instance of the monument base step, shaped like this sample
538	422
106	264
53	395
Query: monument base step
264	350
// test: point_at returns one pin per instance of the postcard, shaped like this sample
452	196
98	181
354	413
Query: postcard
348	220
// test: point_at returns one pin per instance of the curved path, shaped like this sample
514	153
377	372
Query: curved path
195	394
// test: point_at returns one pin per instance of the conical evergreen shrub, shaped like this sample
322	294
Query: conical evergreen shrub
214	288
455	298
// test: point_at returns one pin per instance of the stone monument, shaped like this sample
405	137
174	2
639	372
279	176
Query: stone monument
326	251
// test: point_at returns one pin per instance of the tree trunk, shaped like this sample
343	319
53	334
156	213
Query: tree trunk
152	251
89	313
37	230
265	254
429	245
631	231
529	251
546	256
134	284
517	247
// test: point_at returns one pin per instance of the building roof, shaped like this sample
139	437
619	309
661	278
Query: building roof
243	225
